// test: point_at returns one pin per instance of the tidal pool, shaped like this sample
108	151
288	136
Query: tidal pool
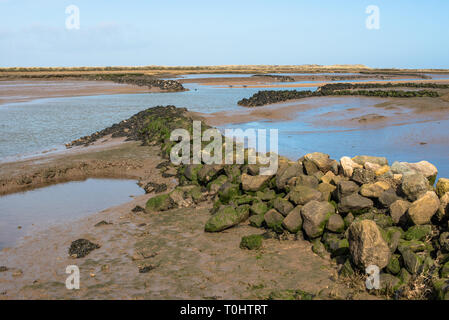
21	212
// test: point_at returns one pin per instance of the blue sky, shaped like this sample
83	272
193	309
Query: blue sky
412	34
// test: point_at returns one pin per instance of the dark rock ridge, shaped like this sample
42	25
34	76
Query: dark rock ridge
276	77
264	97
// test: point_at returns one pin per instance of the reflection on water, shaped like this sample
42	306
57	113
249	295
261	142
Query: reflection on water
59	203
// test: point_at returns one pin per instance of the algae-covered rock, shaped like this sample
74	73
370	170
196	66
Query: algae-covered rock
418	232
367	245
394	266
215	185
257	220
444	241
226	217
290	295
442	186
315	215
336	244
228	191
301	195
161	202
258	208
412	261
81	248
335	224
283	206
346	269
273	220
252	242
191	171
286	173
318	247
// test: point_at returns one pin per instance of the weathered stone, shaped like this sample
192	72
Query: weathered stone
372	166
398	211
328	177
412	261
423	209
191	171
254	183
363	176
418	232
301	195
326	189
293	221
443	210
252	242
336	244
266	195
282	205
382	161
286	173
388	197
321	161
162	202
374	190
215	185
442	186
444	241
208	172
225	218
335	224
306	181
81	248
257	220
367	245
273	220
414	185
318	247
348	166
228	191
348	219
315	215
258	207
389	282
444	271
384	171
394	266
309	167
346	188
355	203
428	170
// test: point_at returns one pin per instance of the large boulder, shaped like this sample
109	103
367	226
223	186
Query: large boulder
423	209
315	215
321	161
254	183
442	186
367	246
346	188
335	224
293	221
414	185
363	176
273	220
161	202
348	166
361	160
225	218
355	203
388	197
428	170
301	195
374	190
286	173
398	211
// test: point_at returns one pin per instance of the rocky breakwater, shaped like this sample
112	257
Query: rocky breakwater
360	210
276	77
141	80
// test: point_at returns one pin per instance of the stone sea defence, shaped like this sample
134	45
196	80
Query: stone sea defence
276	77
347	89
362	211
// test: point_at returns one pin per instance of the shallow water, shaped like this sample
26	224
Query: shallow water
59	203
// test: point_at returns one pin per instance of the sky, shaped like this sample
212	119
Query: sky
411	33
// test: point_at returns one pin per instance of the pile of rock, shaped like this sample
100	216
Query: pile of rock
276	77
361	210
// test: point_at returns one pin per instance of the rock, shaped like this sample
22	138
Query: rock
208	172
306	181
367	246
252	242
444	271
309	167
348	166
389	282
102	223
282	205
347	270
414	185
363	176
326	190
179	197
335	224
348	219
155	187
398	211
258	208
443	210
412	261
394	266
191	171
273	220
320	160
441	288
318	247
346	188
254	183
428	170
159	203
336	244
442	186
382	161
137	209
215	185
328	177
382	171
413	245
374	190
388	197
355	203
266	195
444	241
228	191
81	248
293	221
225	218
315	215
372	166
257	220
418	232
301	195
286	173
423	209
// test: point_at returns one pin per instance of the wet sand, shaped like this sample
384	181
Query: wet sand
27	90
